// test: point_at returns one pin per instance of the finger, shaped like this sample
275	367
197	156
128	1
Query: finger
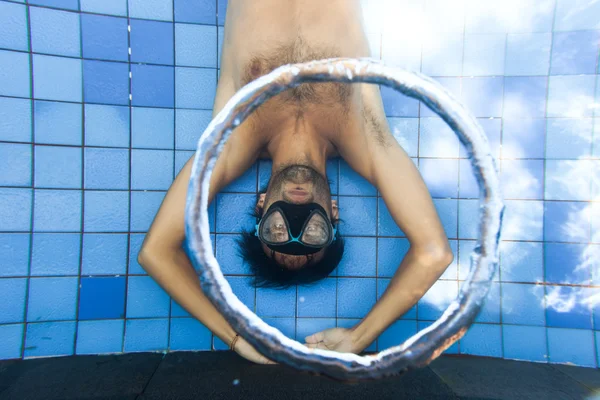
316	338
311	345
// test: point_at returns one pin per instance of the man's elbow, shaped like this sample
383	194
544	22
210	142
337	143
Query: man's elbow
146	256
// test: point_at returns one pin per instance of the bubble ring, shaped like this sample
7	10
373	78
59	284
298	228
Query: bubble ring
427	344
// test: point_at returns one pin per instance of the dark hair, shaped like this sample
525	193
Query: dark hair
270	274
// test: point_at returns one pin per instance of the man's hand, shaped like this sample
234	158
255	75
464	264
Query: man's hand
336	339
245	349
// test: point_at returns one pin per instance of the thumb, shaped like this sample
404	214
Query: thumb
315	338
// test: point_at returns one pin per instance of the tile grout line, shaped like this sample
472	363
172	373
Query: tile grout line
212	335
81	191
32	176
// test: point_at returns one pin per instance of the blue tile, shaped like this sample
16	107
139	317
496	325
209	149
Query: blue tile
465	251
574	346
481	17
426	324
482	340
359	216
52	299
525	97
58	167
264	174
287	326
135	245
382	285
151	9
193	44
406	133
440	176
522	179
398	105
484	55
55	254
14	254
15	169
445	16
221	11
12	308
523	138
564	310
467	184
565	180
483	96
452	86
57	78
569	138
309	326
102	298
145	299
104	254
188	334
574	53
152	85
525	343
404	54
14	74
227	256
64	4
57	210
13	23
492	127
106	211
111	7
566	221
436	300
233	212
144	206
245	183
55	32
522	262
523	304
565	263
152	128
444	55
16	120
198	12
12	341
243	289
58	123
177	310
181	157
106	168
151	42
355	297
106	82
99	337
490	312
447	210
351	183
104	37
189	126
436	139
570	96
146	334
275	302
523	220
357	261
220	39
15	209
528	54
396	334
317	300
106	125
50	339
151	169
195	87
576	15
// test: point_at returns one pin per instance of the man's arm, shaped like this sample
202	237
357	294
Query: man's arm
387	166
162	255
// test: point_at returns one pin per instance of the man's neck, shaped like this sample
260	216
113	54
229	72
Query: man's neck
299	144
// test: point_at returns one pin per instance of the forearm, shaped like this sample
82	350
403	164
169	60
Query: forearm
411	281
175	274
